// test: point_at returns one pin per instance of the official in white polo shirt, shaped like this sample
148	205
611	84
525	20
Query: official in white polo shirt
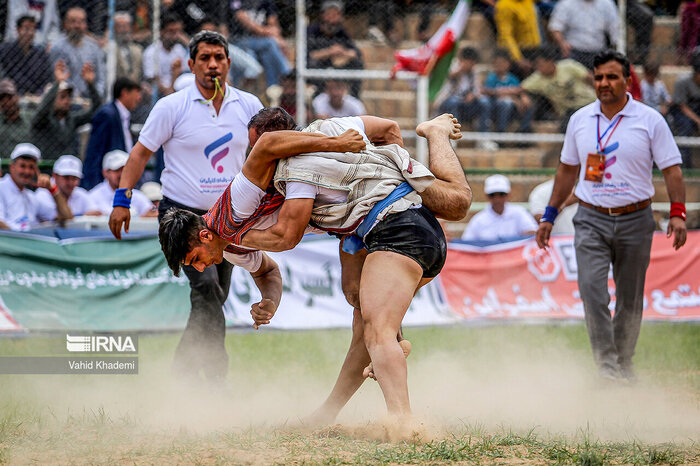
102	195
20	207
615	141
203	130
500	221
67	173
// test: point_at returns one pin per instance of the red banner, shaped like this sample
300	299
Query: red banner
520	281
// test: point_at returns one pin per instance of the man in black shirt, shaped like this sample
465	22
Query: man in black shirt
255	29
330	46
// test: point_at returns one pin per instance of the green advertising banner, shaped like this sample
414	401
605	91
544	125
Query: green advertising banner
88	284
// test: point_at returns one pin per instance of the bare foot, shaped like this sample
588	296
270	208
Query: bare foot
318	418
445	123
369	370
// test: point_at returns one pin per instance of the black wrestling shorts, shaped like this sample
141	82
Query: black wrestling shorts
414	233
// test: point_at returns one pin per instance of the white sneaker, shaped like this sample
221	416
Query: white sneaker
375	34
487	145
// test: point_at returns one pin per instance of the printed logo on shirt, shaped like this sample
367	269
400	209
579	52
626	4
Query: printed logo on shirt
608	162
218	156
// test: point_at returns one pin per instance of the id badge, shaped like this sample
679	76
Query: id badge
595	167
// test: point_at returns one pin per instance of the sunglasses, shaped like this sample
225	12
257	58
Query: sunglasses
497	194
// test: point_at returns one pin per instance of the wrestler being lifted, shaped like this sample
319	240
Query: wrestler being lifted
391	241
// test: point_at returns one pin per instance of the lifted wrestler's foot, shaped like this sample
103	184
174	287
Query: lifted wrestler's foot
369	370
445	123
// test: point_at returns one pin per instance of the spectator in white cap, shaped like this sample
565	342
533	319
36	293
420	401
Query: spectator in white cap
153	191
500	221
102	195
20	207
67	173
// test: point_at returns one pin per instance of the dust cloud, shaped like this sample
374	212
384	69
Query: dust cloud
551	392
512	388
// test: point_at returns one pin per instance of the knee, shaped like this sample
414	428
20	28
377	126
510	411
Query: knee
484	102
375	334
270	45
358	334
449	105
505	104
352	294
460	199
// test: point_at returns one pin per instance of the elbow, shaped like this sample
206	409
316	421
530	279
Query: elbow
393	135
290	241
266	143
285	239
459	207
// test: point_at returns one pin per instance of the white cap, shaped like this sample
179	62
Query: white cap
114	160
25	149
182	81
68	165
152	191
496	184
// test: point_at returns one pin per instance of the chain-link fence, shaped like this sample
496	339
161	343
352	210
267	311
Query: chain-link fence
520	68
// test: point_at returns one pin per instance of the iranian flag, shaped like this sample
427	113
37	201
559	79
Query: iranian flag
435	56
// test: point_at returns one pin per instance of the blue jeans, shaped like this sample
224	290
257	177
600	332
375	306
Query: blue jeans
501	111
684	126
269	55
467	111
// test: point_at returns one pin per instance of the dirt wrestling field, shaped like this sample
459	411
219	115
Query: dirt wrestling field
493	395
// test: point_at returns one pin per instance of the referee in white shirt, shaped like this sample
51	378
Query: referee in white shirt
615	140
203	130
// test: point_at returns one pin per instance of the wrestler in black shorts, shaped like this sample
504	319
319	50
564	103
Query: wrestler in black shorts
414	233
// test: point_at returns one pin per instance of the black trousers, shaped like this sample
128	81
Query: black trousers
201	347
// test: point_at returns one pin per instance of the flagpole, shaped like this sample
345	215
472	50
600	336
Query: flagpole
421	116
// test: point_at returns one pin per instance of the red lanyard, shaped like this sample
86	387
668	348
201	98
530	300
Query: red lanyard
613	125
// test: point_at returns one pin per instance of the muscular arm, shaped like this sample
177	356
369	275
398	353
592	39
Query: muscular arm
63	211
673	177
260	165
564	182
269	281
563	185
287	232
138	158
687	111
381	131
250	25
130	175
562	43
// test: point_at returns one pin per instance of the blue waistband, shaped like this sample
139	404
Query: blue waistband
354	243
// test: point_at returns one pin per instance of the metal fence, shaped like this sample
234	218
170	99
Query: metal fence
343	53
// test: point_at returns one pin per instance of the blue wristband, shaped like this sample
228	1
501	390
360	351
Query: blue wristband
122	198
550	213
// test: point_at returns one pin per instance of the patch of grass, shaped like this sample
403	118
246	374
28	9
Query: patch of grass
34	430
413	453
655	454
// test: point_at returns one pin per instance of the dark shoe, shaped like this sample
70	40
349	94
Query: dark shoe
628	374
611	375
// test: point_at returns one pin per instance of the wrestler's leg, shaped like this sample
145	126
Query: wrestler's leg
388	283
350	377
450	196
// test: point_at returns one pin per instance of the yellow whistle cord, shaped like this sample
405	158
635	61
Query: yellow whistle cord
216	89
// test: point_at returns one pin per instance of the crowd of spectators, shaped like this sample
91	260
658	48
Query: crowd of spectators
53	67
